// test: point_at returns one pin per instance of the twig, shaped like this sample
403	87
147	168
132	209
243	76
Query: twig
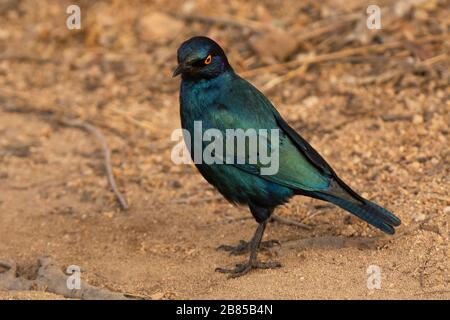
312	215
432	292
129	118
439	196
240	219
290	222
291	74
396	117
26	58
228	21
345	53
191	201
433	60
318	28
106	153
378	79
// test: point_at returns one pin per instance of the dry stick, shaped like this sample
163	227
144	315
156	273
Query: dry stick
396	117
435	59
345	53
191	201
291	74
314	30
229	21
318	28
107	155
378	79
432	292
329	57
439	196
312	215
129	118
26	58
384	77
290	222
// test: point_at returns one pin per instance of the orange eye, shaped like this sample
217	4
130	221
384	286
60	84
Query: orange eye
208	59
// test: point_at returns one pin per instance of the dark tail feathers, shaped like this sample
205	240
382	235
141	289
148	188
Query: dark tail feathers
366	210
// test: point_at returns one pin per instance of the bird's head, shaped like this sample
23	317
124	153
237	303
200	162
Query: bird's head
201	58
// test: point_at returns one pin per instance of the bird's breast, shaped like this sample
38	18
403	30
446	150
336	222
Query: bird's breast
197	100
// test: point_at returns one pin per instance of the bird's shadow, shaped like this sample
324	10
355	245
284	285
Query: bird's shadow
333	243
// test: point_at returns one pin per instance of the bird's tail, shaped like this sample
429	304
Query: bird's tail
368	211
343	196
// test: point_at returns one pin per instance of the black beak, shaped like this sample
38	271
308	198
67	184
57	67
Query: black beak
179	69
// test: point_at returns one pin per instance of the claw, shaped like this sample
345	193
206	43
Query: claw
252	247
243	268
6	266
241	248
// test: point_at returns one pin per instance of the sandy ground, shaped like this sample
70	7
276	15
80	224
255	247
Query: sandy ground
390	140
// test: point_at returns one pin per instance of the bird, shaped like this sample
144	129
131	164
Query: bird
212	93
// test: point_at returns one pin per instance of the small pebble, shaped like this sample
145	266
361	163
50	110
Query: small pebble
417	119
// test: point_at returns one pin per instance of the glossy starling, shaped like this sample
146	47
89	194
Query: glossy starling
213	94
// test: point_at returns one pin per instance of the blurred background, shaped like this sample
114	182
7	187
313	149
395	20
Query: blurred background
374	102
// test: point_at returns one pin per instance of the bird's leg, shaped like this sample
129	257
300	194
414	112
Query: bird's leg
252	263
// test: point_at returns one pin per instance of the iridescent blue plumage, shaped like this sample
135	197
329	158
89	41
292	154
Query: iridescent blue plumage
211	92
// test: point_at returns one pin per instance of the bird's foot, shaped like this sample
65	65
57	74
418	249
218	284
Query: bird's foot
243	268
244	247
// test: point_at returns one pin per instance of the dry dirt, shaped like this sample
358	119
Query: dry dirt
381	118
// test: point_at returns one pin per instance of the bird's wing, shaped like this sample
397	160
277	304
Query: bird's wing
313	156
299	165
